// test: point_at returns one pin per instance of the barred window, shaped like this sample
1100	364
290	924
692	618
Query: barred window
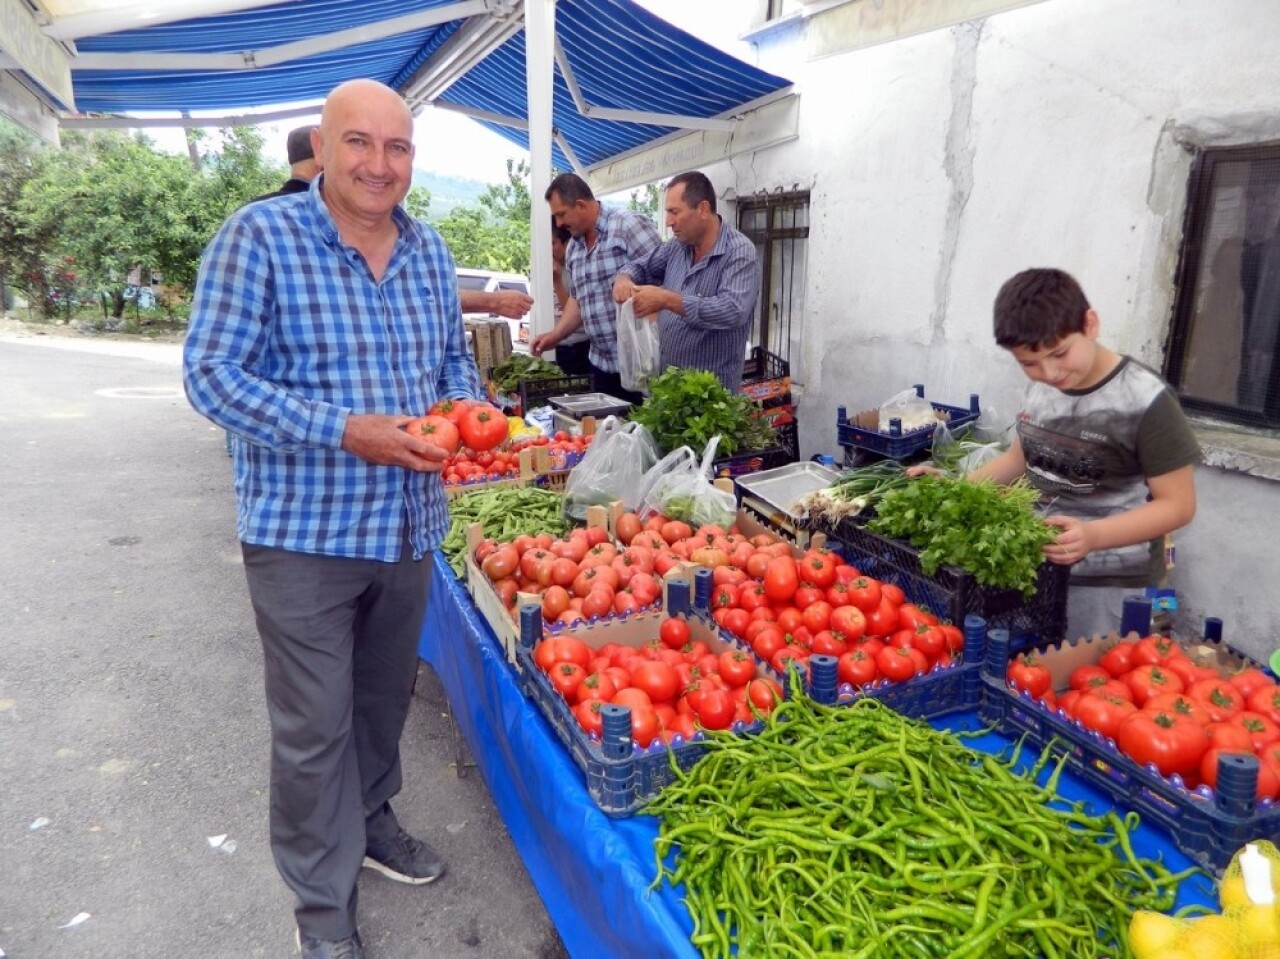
778	225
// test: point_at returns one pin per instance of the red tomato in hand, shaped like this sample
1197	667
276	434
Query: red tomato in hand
482	427
452	410
436	430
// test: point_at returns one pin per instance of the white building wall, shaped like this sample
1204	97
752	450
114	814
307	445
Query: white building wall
1049	135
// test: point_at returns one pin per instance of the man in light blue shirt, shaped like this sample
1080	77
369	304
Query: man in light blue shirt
322	323
701	285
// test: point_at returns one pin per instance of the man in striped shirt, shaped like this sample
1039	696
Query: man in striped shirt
604	240
322	323
701	285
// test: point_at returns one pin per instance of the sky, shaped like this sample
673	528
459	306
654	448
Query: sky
453	145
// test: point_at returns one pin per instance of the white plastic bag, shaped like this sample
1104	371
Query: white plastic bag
619	455
637	349
913	410
679	487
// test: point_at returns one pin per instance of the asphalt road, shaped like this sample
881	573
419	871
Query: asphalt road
133	732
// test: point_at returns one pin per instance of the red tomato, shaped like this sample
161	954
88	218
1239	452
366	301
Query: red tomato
566	677
1102	712
1231	736
817	568
1178	703
1118	660
482	427
850	622
736	621
764	694
724	596
816	616
632	696
1172	743
595	686
588	715
786	655
1266	701
1189	672
1150	680
674	633
1220	698
752	597
598	603
1155	651
1250	680
644	725
658	680
806	596
900	664
768	641
452	410
502	562
645	589
827	643
857	668
910	616
884	620
930	640
781	579
555	601
436	430
1025	672
736	667
715	710
866	594
1088	676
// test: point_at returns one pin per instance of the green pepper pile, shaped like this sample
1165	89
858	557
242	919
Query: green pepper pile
852	832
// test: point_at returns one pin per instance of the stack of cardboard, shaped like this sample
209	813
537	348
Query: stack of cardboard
490	341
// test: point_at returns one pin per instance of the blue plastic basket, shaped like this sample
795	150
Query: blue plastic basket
894	443
1209	826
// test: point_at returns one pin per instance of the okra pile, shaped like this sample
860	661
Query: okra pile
853	832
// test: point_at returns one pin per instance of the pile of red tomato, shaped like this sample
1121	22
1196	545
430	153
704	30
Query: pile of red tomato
580	577
1163	707
467	466
673	684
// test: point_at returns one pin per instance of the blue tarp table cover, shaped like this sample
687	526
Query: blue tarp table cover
592	872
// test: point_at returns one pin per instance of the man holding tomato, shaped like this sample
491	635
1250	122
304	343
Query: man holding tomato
322	324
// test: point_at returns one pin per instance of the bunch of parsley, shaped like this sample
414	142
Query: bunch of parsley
687	407
990	531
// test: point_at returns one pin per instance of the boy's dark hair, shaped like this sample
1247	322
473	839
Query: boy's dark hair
571	188
1038	307
696	189
561	233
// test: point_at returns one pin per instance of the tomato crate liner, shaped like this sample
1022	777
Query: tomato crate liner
501	620
1208	825
533	459
863	430
951	592
620	776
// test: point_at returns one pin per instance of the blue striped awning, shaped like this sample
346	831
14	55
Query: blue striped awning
621	57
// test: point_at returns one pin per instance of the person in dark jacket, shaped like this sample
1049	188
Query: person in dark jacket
302	165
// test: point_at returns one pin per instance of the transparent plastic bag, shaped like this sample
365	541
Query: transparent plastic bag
619	456
914	411
958	452
679	487
637	349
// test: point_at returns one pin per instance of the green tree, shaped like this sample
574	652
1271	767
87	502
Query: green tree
510	201
21	252
418	203
649	200
494	235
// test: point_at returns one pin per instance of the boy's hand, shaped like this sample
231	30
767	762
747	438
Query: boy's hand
1072	544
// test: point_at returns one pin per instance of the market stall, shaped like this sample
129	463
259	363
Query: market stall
594	872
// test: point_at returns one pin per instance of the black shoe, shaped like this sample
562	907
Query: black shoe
349	948
405	859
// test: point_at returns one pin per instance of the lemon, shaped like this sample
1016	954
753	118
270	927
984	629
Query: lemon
1152	934
1259	926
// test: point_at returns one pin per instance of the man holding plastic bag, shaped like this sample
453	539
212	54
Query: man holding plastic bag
701	286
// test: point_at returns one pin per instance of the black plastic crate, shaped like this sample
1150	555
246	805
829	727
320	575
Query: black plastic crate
897	444
1209	826
763	365
784	450
534	393
953	593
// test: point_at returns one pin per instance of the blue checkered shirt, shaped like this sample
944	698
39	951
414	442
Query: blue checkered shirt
621	236
719	294
289	335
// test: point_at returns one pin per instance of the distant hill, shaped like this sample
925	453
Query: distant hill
448	192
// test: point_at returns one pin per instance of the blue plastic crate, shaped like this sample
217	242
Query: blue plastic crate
1208	825
860	432
951	592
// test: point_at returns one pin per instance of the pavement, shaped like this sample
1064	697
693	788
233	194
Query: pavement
133	731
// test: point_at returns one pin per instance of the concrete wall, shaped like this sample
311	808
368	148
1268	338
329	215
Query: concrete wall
1053	134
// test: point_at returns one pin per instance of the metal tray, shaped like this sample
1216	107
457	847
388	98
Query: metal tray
781	487
579	405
